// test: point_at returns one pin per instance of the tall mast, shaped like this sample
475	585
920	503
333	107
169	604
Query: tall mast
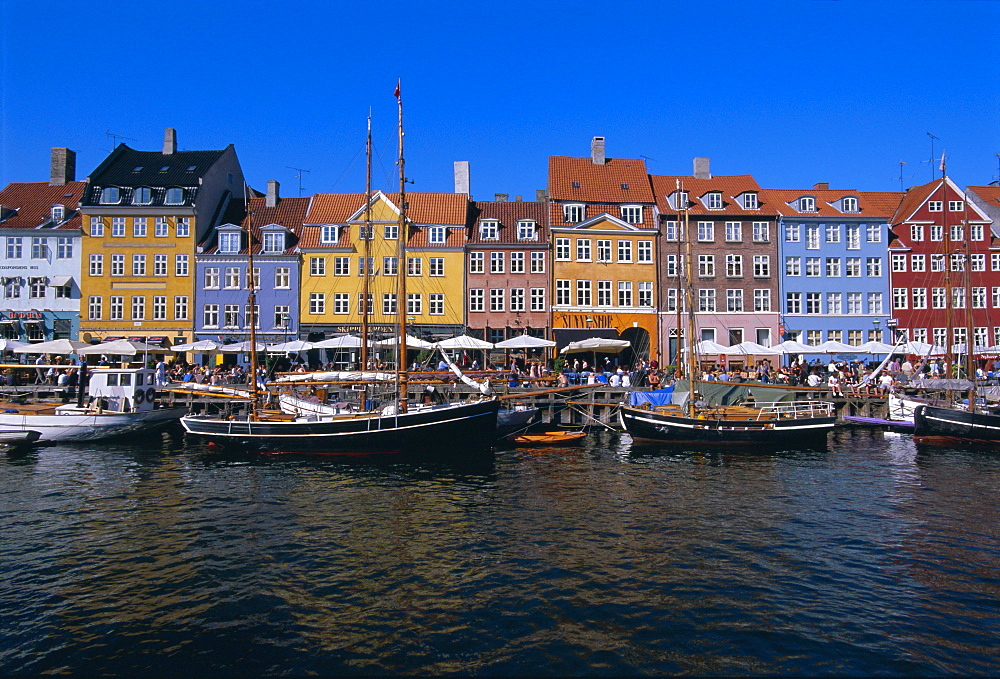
401	367
367	249
689	302
679	299
252	312
970	341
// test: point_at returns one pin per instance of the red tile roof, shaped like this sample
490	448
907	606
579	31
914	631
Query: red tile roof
730	186
425	208
33	203
912	200
599	183
871	204
508	214
289	212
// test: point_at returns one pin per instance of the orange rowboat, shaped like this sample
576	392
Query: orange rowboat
551	438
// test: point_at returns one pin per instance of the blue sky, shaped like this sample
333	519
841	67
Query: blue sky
791	92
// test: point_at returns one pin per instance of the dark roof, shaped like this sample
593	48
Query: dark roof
28	205
508	214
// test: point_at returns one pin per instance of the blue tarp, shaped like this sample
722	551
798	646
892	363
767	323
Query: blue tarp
660	397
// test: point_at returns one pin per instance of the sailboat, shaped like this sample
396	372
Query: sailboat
393	427
661	416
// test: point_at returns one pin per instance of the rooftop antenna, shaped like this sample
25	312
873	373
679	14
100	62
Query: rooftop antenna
934	158
115	137
298	175
901	177
996	180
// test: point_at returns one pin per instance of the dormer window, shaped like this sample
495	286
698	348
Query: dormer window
57	212
527	229
274	241
573	213
680	200
807	204
713	201
489	229
111	195
750	201
849	204
174	196
328	234
142	195
632	214
229	242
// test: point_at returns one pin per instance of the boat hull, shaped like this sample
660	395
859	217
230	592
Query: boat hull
933	424
551	438
650	425
89	426
464	426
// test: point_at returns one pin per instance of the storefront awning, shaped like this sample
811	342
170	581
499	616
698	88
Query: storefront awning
60	281
136	338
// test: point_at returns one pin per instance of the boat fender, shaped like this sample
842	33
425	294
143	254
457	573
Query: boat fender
139	397
150	394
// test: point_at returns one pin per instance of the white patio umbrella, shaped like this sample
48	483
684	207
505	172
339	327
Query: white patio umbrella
411	342
709	347
876	347
343	342
922	349
793	347
596	344
11	345
465	342
834	347
201	346
962	348
524	342
290	347
240	347
752	349
59	346
123	348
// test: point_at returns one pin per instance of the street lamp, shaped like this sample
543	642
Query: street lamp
875	333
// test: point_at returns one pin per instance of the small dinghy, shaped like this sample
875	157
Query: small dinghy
551	438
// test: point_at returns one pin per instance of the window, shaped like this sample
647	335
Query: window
624	293
117	308
341	302
807	204
671	302
835	303
317	266
681	201
899	298
180	265
645	251
833	267
793	266
624	251
138	265
142	196
632	214
476	262
517	299
750	201
139	227
414	266
414	303
390	231
517	262
873	233
210	316
937	232
918	263
159	308
562	250
812	237
496	262
706	265
670	231
793	303
390	266
603	293
854	303
713	200
274	241
875	302
117	265
706	232
159	265
854	338
916	232
231	316
95	308
366	308
734	266
436	266
14	248
976	232
138	308
762	266
255	280
328	234
853	267
117	227
672	265
873	267
97	265
978	262
813	267
489	229
229	241
184	228
232	277
562	293
761	300
898	263
584	293
604	251
161	229
96	227
956	205
212	278
181	308
813	303
366	232
538	299
850	204
573	213
527	230
389	303
175	196
476	300
583	250
317	303
435	304
958	262
734	232
111	195
39	248
957	232
793	233
734	301
706	300
833	233
36	287
537	262
437	235
761	232
497	299
937	262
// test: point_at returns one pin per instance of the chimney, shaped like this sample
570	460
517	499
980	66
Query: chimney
272	193
702	168
518	199
170	141
540	195
62	167
500	197
463	183
597	151
821	186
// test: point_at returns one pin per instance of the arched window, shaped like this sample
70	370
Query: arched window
110	195
142	196
175	196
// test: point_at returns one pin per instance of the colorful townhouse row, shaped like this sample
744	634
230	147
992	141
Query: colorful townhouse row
154	245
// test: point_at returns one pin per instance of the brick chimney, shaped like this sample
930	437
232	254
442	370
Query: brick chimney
501	197
169	141
597	156
540	195
62	167
821	186
463	183
702	167
272	193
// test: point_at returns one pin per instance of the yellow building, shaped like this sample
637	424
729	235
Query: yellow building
334	252
144	213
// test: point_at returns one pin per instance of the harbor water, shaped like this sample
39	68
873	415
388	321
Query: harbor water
868	556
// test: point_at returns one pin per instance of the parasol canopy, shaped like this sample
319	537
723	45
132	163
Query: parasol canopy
752	349
123	348
240	347
10	345
288	347
59	346
604	344
524	342
342	342
464	342
793	347
202	346
411	343
709	347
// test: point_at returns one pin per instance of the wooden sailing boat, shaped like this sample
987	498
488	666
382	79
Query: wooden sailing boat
655	416
392	428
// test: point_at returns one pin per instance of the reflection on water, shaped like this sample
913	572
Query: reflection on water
867	556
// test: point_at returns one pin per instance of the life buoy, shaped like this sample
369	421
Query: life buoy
139	396
150	394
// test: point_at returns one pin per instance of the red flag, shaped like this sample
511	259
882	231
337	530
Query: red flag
396	93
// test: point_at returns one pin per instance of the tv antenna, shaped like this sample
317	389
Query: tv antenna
996	180
933	159
901	177
298	175
115	137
